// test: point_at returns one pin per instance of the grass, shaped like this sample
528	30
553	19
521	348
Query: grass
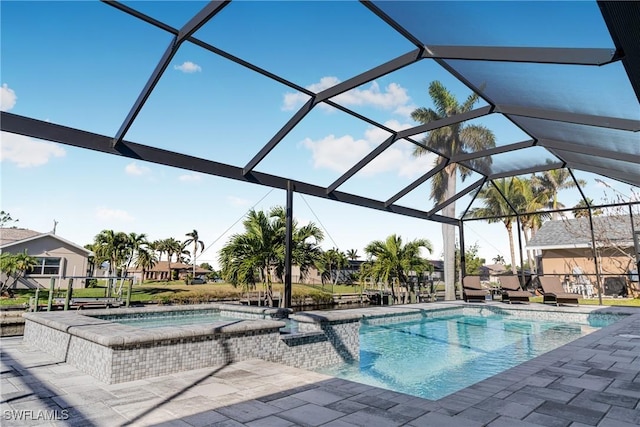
176	292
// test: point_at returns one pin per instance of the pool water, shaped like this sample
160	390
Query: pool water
168	319
433	358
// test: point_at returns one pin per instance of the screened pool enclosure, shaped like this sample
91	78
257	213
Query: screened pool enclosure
561	80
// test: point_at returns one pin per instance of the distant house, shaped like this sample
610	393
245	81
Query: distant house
160	271
57	257
492	272
566	246
438	270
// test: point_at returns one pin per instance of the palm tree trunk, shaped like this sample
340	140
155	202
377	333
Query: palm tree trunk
195	250
530	260
509	226
393	292
449	240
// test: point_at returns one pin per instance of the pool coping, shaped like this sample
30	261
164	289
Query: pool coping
84	324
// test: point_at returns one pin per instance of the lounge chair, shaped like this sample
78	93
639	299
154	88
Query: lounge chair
511	290
555	293
472	289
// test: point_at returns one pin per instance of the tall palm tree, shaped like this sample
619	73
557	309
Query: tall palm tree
495	205
195	239
135	242
145	260
552	181
451	140
172	247
158	247
391	260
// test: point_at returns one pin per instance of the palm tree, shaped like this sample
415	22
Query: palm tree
306	249
352	254
451	140
498	259
135	243
390	260
253	255
532	201
551	182
15	266
145	260
111	246
249	256
495	205
330	260
581	209
172	247
157	246
195	239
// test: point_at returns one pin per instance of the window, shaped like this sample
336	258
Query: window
46	266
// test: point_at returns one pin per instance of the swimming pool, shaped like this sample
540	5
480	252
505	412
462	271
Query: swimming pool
435	357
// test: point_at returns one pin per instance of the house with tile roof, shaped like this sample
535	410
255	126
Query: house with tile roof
57	257
160	271
565	249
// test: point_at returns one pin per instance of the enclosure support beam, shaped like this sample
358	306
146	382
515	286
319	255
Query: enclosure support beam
593	239
595	259
288	246
463	258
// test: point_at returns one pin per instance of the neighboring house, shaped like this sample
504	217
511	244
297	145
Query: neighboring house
57	257
160	271
566	247
438	270
492	272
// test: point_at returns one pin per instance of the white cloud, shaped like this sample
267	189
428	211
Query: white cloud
341	153
7	98
27	152
106	214
337	154
238	201
188	67
392	97
190	177
405	110
137	170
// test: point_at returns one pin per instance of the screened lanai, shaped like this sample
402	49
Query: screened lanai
557	82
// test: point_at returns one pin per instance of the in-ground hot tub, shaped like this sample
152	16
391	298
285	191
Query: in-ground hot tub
117	345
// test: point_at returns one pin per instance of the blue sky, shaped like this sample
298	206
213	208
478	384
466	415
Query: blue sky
82	64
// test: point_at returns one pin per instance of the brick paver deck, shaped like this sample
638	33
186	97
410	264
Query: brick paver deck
594	381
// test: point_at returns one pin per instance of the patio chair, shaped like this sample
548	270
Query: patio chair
511	290
472	289
553	292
